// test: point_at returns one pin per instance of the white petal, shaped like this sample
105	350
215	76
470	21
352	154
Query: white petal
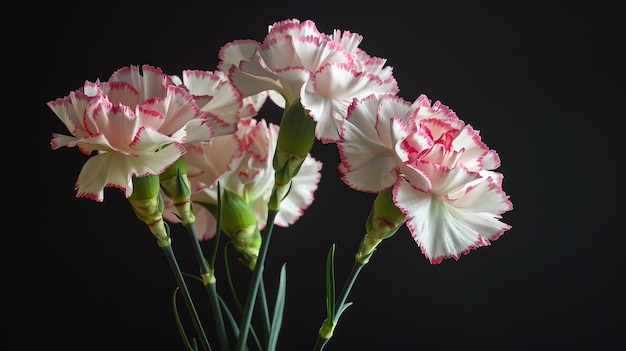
300	195
112	169
367	164
332	89
443	230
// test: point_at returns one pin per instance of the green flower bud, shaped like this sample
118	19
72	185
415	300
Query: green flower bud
383	222
147	204
295	140
240	224
176	185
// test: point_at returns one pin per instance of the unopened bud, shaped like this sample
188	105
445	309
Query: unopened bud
295	140
176	185
240	224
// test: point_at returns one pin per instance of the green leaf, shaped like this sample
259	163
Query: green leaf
279	308
229	277
330	284
229	316
181	329
343	308
234	324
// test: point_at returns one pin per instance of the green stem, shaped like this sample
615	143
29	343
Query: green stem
255	282
208	279
356	269
341	300
169	253
218	227
217	312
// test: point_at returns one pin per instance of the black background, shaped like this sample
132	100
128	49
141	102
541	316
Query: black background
543	82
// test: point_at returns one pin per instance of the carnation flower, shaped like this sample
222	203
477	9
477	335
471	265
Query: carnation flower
297	63
135	123
442	174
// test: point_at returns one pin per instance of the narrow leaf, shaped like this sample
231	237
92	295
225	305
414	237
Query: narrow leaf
279	308
343	308
330	284
234	324
179	324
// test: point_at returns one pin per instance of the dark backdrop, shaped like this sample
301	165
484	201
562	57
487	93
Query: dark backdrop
543	82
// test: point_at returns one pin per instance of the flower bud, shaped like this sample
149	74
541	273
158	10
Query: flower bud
240	224
147	204
295	140
383	222
176	185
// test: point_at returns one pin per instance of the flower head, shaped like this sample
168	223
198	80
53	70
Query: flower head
296	63
136	124
441	173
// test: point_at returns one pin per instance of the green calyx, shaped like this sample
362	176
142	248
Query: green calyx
385	217
383	221
147	204
146	187
176	185
295	140
174	181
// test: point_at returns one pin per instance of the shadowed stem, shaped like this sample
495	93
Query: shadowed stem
255	282
169	253
209	281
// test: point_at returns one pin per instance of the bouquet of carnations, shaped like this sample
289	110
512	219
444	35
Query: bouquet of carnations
192	150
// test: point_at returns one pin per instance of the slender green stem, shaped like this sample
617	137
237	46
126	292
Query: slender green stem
217	312
320	343
171	258
341	300
218	227
255	282
208	279
343	296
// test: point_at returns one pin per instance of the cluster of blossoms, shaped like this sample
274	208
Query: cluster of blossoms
189	148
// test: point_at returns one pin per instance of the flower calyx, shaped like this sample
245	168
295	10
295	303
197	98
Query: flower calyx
295	140
176	185
147	204
383	222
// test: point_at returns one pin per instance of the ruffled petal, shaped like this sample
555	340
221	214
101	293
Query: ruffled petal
207	162
444	180
60	140
332	89
300	196
424	109
221	98
234	52
148	140
199	130
447	229
484	196
434	228
291	81
149	82
177	108
293	28
367	164
392	107
249	84
112	169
